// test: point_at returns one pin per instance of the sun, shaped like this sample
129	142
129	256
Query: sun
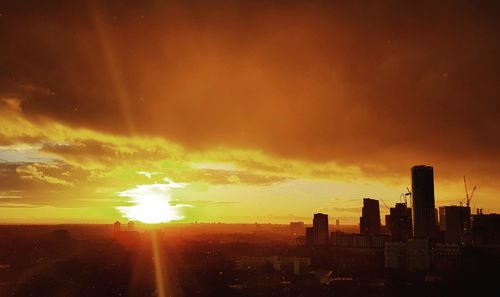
152	204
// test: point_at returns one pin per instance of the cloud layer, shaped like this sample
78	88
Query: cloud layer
270	92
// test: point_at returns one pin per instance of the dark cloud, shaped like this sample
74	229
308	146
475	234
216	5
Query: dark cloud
382	85
9	179
29	184
106	153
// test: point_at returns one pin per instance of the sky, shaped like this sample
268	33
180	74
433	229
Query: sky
264	111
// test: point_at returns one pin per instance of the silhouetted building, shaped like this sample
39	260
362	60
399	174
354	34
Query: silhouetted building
337	223
446	256
301	265
341	239
400	223
369	222
295	265
395	256
412	256
486	229
455	223
117	226
61	235
130	226
297	228
309	235
424	220
320	229
345	240
418	255
388	223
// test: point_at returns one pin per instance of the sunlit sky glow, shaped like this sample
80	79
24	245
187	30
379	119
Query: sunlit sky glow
152	204
266	111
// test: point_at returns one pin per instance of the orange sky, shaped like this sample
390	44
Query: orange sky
269	111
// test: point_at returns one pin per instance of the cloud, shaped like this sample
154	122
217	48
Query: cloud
33	172
98	152
251	95
329	82
17	205
10	195
147	174
234	179
11	103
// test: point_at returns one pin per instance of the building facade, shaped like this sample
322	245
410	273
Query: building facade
345	240
412	256
297	228
424	220
320	229
400	223
486	229
369	222
455	222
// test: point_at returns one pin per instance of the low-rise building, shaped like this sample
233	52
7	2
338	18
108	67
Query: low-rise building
395	255
418	255
486	229
446	256
412	256
341	239
295	265
455	222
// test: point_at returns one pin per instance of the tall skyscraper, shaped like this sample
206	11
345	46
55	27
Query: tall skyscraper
422	184
320	229
369	222
401	226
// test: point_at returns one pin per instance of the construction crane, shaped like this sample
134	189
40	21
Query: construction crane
404	196
386	206
468	197
407	194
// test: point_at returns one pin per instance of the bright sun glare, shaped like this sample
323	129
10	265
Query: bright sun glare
152	204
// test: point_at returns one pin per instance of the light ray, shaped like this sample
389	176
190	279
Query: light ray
113	67
158	265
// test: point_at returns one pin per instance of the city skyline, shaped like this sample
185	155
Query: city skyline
299	148
242	111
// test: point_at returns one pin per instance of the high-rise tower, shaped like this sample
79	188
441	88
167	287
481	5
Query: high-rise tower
320	229
369	223
422	184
